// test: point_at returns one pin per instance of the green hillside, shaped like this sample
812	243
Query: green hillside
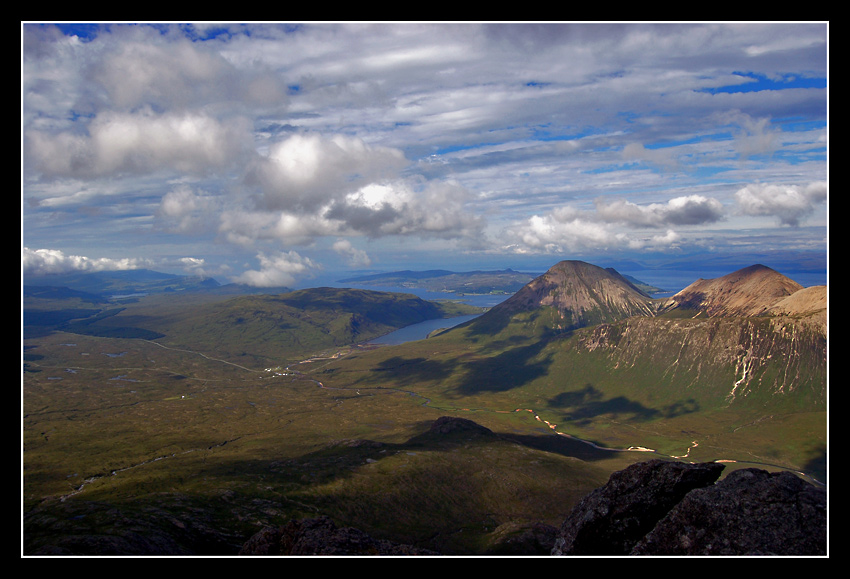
603	363
252	330
602	385
253	410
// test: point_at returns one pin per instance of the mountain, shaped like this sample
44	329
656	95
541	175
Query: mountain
581	344
254	329
745	337
570	295
808	305
190	444
128	284
580	290
750	291
575	294
133	281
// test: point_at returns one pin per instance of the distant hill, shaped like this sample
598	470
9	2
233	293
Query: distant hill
646	288
399	275
469	282
60	293
747	292
125	282
256	329
124	287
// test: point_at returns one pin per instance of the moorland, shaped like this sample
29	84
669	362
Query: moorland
184	420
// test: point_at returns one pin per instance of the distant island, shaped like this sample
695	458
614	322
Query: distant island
506	281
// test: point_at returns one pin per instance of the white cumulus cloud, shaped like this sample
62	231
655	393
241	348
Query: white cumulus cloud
54	261
687	210
140	142
570	229
561	231
186	210
279	269
308	170
355	257
788	203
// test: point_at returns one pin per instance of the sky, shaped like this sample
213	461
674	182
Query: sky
277	153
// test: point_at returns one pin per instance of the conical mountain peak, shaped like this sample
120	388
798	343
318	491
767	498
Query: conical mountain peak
582	293
750	291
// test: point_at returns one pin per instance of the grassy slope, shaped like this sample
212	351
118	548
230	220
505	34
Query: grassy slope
209	452
194	443
185	440
660	396
259	330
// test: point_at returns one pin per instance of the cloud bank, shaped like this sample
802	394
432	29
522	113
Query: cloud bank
271	150
52	261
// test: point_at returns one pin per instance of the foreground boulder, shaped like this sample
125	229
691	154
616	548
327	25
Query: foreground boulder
750	512
669	508
613	518
320	536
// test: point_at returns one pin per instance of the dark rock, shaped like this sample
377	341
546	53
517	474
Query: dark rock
531	539
750	512
93	528
613	518
448	424
320	536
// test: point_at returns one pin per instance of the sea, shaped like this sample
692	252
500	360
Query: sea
421	330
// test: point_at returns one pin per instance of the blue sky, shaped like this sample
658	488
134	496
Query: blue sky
275	154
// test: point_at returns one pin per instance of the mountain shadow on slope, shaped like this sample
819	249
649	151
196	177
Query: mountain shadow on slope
581	406
510	369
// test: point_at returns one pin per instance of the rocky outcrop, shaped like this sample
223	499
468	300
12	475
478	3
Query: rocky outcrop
750	512
613	518
670	508
320	536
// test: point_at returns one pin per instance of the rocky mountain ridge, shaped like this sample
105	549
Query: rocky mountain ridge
584	294
808	305
753	329
750	291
